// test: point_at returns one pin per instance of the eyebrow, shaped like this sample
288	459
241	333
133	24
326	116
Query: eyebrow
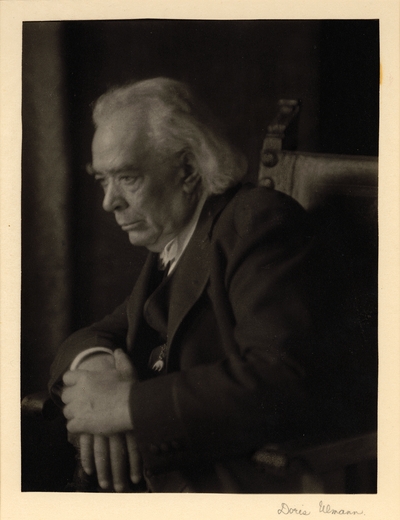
90	170
113	171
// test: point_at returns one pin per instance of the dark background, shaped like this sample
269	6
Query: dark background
77	265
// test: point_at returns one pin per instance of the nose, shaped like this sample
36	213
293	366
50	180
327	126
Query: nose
113	198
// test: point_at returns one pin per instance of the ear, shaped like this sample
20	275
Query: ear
189	172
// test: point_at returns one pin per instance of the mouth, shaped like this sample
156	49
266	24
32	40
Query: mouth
130	226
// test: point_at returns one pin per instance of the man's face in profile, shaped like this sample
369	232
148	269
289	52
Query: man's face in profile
142	186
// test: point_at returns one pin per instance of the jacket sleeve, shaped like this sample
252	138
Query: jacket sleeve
110	332
258	393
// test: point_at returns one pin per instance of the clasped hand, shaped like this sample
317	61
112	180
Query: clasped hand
97	402
96	398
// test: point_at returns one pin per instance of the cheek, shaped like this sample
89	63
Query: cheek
161	206
160	201
138	201
172	207
154	209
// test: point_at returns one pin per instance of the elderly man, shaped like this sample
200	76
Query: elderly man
212	356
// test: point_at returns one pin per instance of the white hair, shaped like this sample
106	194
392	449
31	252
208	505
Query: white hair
177	121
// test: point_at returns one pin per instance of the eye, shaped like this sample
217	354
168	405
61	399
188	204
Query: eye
103	181
128	179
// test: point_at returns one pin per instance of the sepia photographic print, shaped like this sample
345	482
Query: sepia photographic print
81	267
199	260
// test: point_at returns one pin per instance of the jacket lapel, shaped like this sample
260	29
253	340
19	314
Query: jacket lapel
168	304
193	272
138	298
188	281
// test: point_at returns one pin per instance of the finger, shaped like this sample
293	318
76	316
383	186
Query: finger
65	396
102	460
119	463
123	364
74	426
68	414
70	378
135	462
68	394
86	453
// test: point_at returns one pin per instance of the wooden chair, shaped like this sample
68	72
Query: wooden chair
341	192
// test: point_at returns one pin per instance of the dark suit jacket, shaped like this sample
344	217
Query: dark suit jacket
243	368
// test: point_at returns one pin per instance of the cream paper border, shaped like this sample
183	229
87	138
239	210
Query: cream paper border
42	506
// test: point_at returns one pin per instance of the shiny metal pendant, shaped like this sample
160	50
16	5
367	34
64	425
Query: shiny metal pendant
159	364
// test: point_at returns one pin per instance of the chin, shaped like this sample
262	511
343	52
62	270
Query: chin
137	240
142	240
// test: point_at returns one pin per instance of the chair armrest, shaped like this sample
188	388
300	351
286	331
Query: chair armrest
39	404
338	454
326	467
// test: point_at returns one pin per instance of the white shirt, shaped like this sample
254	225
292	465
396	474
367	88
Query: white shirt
171	254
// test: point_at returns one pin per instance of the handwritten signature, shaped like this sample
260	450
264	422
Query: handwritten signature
328	509
285	509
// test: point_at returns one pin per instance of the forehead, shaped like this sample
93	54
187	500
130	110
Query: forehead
121	137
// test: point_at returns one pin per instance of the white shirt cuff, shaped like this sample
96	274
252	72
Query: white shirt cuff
88	352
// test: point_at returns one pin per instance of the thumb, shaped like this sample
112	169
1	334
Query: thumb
123	364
